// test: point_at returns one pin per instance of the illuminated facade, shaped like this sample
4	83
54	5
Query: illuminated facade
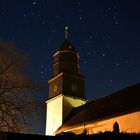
68	111
122	107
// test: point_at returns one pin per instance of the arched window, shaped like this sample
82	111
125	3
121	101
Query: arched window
116	127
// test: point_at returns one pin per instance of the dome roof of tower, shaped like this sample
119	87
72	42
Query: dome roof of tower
66	45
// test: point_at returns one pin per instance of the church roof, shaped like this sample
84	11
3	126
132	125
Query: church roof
66	45
115	104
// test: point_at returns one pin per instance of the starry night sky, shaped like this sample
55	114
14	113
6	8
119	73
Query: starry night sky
106	35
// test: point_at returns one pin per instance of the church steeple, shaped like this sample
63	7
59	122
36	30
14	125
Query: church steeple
66	87
67	70
66	59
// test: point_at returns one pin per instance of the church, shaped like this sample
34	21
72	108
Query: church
67	109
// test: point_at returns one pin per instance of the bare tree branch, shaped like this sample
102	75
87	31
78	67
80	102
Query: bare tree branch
17	102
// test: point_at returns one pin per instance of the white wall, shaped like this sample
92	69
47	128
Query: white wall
54	115
58	109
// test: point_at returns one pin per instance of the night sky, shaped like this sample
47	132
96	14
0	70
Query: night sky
106	34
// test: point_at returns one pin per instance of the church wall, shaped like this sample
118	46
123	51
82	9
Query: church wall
69	103
127	123
54	115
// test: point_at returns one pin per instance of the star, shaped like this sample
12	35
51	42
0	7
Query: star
41	72
89	53
80	18
53	30
85	43
34	3
43	22
114	7
94	52
126	62
90	36
116	22
32	14
24	15
78	3
84	61
42	77
116	67
104	54
114	17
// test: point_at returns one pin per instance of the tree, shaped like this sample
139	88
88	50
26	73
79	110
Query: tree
16	89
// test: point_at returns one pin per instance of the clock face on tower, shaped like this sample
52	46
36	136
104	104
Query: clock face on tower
74	87
66	84
55	88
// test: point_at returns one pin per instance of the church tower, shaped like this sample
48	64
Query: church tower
66	87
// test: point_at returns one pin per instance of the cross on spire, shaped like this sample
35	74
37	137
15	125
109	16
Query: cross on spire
66	32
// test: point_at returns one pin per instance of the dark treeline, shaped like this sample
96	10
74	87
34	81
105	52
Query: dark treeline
70	136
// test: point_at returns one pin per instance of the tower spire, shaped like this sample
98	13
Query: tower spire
66	32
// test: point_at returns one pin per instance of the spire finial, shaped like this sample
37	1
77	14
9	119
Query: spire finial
66	32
